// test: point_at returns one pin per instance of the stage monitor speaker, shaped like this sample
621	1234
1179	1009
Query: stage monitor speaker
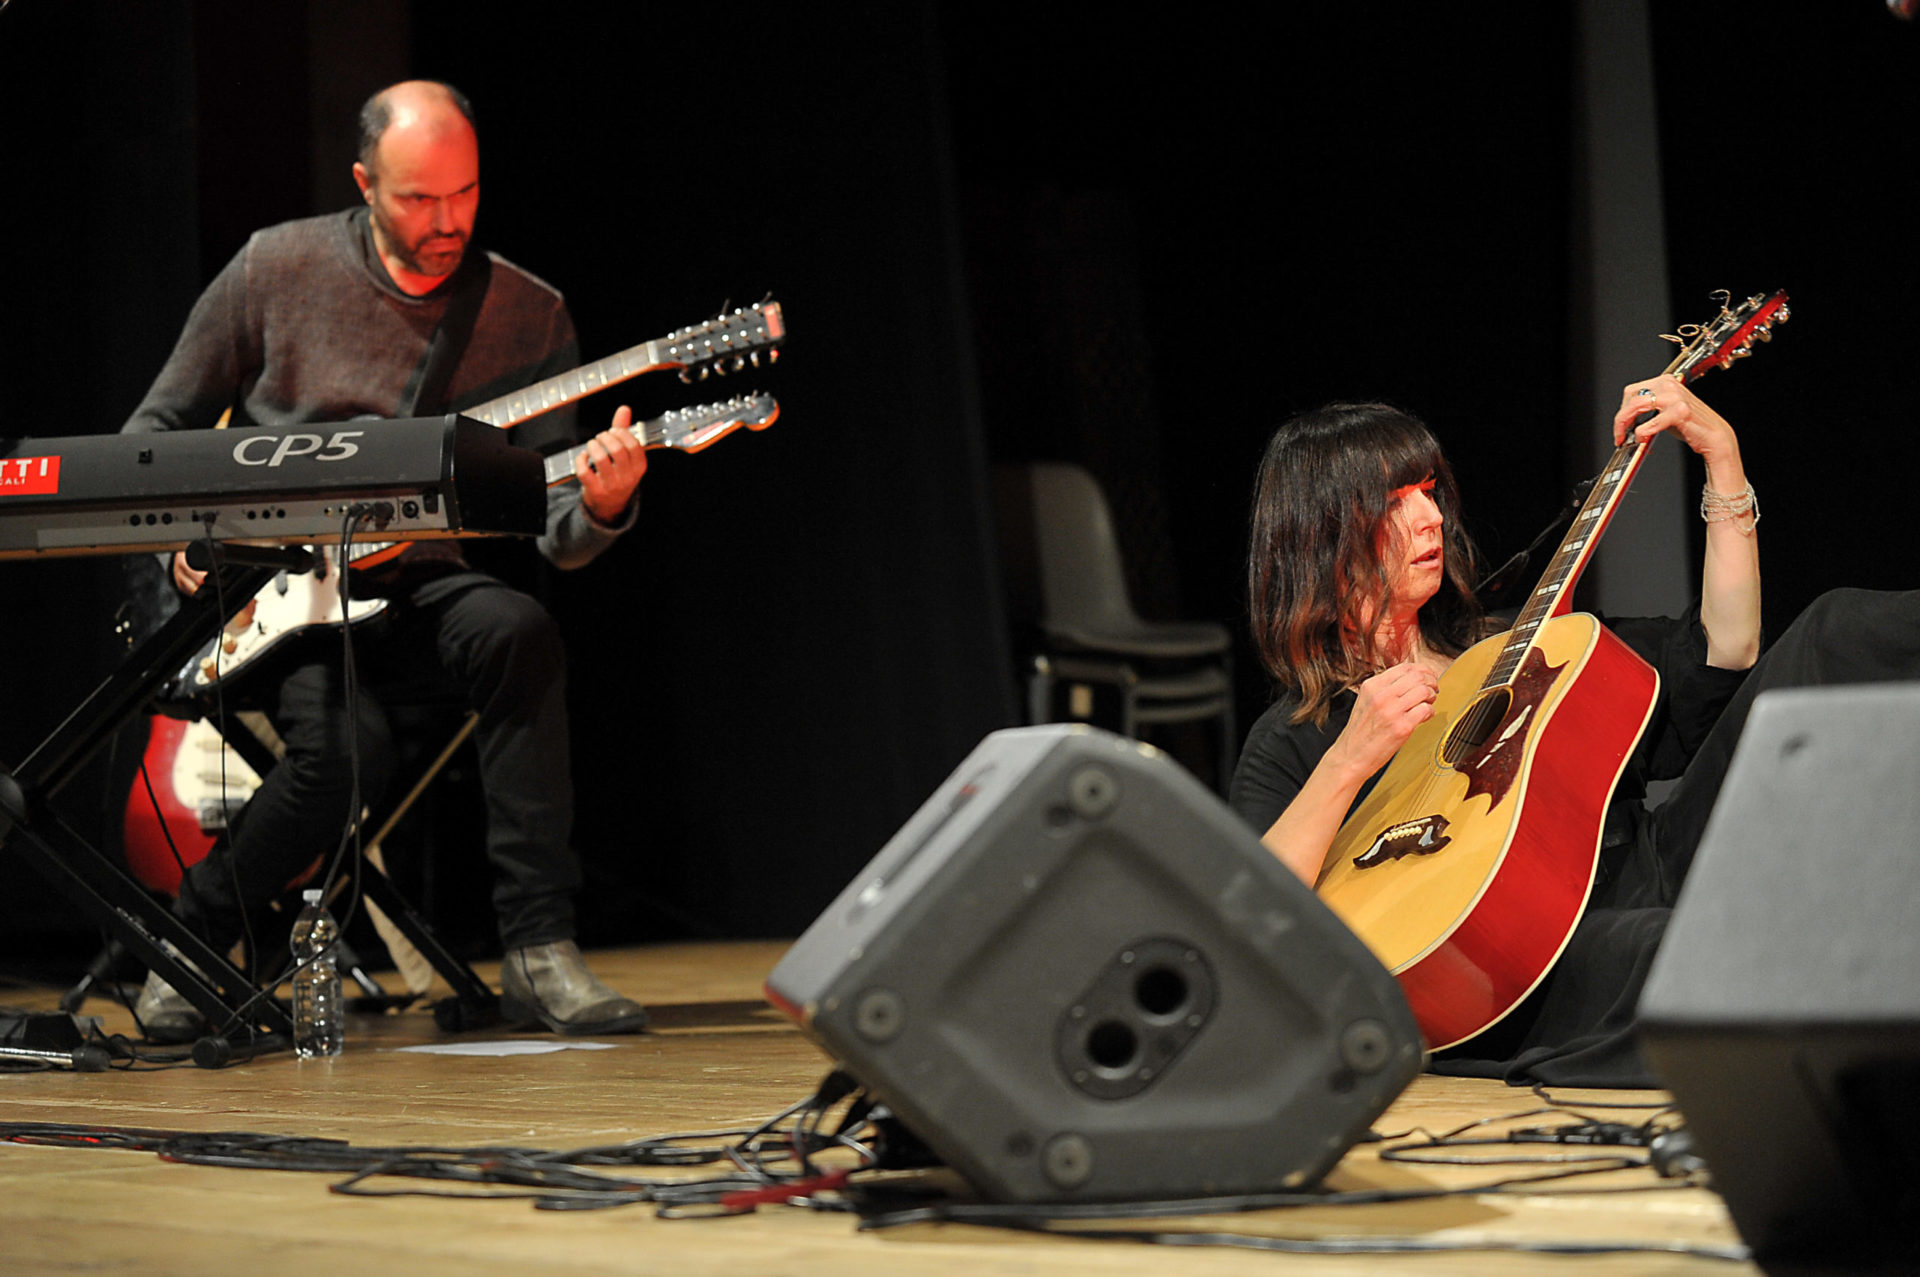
1075	975
1783	1009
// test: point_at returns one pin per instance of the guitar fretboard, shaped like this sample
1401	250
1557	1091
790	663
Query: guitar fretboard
1564	570
651	434
555	392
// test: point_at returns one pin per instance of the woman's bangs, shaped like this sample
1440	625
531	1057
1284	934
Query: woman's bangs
1409	457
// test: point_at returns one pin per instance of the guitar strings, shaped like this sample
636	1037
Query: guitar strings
1440	773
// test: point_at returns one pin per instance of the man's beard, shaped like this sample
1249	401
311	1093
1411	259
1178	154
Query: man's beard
435	262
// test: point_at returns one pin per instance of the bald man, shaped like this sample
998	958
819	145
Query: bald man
330	319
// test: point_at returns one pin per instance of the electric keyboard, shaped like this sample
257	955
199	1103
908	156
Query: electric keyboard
420	478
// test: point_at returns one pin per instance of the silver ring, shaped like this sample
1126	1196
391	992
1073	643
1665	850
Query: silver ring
1646	392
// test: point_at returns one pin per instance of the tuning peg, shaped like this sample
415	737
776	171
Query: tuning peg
686	377
1741	351
1764	332
754	359
773	356
704	370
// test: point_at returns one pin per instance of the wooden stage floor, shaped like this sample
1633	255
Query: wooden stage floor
720	1057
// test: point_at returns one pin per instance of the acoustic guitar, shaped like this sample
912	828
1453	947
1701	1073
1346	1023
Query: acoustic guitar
1467	866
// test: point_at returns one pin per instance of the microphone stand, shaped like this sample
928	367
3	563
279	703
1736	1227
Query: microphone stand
1495	584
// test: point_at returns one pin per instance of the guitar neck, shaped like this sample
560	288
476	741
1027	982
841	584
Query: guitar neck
1553	596
720	345
652	433
1728	337
568	387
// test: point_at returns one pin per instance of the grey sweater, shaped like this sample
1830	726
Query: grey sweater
304	325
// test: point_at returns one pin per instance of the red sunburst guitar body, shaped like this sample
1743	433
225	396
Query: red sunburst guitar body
1469	863
1467	867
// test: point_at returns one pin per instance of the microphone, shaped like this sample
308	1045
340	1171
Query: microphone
50	1039
83	1059
216	1052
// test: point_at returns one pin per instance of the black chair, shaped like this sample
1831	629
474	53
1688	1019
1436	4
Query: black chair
417	952
1094	658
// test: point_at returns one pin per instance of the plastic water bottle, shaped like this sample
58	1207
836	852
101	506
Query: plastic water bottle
319	1011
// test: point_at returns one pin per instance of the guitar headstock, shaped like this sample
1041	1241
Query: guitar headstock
728	342
691	429
1727	336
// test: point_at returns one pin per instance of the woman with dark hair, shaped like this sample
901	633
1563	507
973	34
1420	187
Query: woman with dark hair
1360	582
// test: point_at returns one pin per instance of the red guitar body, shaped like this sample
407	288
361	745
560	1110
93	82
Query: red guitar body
148	857
1466	869
1524	918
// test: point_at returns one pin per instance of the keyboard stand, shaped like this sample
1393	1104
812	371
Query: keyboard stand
117	904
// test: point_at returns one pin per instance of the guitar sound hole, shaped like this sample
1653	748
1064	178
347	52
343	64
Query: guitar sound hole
1472	728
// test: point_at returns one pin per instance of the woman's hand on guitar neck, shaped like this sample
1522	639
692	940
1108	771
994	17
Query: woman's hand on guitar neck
1678	409
610	467
1730	574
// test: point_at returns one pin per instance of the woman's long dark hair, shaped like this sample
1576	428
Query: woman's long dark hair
1314	567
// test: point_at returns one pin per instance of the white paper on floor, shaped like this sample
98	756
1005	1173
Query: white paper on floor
515	1047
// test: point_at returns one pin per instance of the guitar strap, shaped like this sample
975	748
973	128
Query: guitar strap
426	394
426	390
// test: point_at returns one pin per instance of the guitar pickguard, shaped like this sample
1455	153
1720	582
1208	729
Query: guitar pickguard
1491	765
290	607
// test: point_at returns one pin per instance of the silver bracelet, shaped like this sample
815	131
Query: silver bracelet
1715	508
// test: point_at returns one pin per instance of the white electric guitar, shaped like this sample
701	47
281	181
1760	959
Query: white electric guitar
292	605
